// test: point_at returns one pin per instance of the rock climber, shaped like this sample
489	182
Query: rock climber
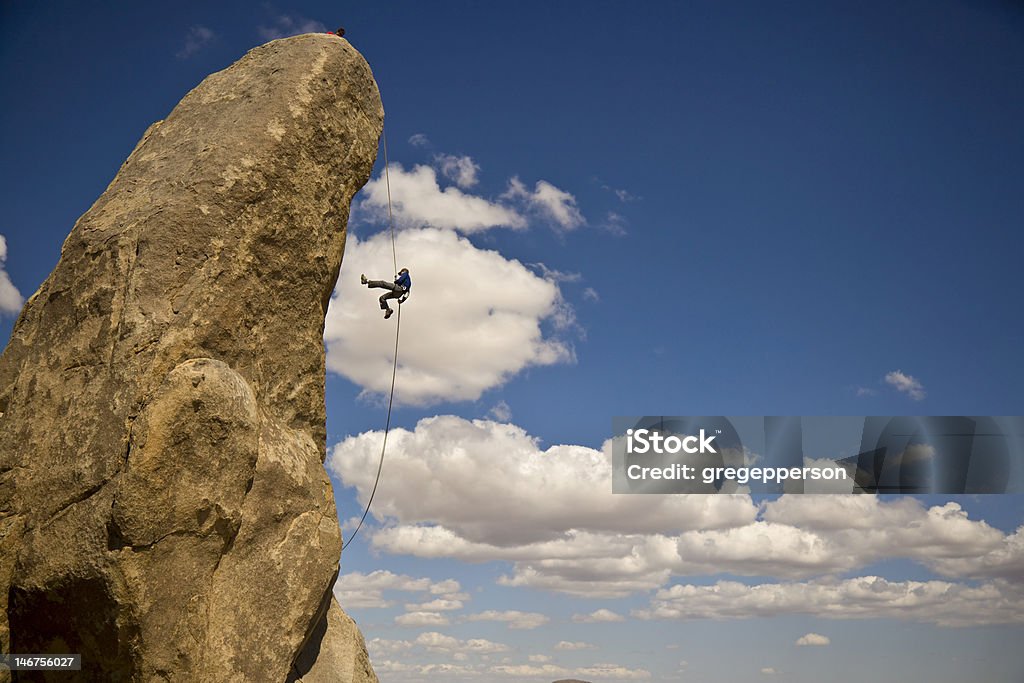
399	289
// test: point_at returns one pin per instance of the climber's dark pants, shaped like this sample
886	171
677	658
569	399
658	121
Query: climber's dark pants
396	291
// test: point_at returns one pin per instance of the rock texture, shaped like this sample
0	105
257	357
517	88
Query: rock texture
164	509
335	652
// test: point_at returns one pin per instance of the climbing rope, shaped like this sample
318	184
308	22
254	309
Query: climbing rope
394	369
387	184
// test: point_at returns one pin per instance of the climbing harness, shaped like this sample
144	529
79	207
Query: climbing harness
394	369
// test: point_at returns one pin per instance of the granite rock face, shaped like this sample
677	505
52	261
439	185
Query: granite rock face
164	509
335	652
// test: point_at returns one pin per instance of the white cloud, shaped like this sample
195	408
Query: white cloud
594	577
529	670
1004	560
624	196
418	671
613	671
598	616
550	512
380	647
285	26
813	639
489	471
442	643
553	275
474	657
768	671
436	605
501	412
865	391
807	535
196	39
418	200
461	170
514	618
11	300
607	671
552	203
416	619
573	645
866	597
356	590
590	294
905	384
473	321
615	224
419	140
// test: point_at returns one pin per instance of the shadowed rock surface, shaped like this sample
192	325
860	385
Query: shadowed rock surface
164	509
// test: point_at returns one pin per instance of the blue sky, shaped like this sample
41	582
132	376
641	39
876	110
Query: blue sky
611	209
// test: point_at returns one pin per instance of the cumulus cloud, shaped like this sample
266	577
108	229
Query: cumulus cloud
357	590
1004	560
598	616
436	605
500	412
415	619
285	25
432	641
403	660
613	671
514	618
573	645
550	513
439	642
474	320
605	671
806	535
196	39
552	203
11	300
568	531
590	294
906	384
461	170
419	140
550	490
866	597
397	670
417	200
381	647
813	639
